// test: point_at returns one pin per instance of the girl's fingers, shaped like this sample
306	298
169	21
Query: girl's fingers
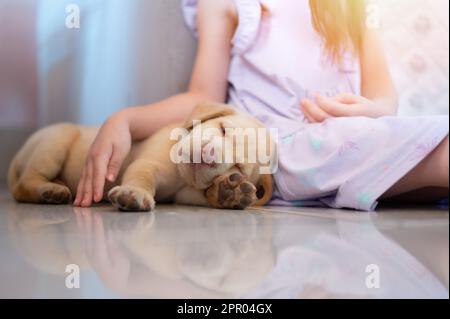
314	111
333	107
87	195
99	177
347	98
353	105
305	111
80	188
114	165
308	117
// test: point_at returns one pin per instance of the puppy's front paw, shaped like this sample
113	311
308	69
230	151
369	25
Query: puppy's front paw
131	199
233	192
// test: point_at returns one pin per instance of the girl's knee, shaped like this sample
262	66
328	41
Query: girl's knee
443	158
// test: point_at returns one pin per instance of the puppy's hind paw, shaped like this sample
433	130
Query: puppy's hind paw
232	192
131	199
54	194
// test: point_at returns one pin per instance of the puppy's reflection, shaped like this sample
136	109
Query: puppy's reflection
198	254
45	237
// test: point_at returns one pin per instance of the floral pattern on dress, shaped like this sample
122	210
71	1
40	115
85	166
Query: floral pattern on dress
316	143
288	139
308	178
421	150
365	198
347	146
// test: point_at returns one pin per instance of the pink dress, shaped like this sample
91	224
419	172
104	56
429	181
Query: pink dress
342	162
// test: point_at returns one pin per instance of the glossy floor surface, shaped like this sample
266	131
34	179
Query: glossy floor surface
188	252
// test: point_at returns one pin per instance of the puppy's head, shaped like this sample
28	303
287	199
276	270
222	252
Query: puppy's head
222	140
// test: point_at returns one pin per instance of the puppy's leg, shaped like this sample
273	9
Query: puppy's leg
191	196
137	191
37	189
39	163
231	191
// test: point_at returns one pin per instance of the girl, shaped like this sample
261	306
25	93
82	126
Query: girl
314	71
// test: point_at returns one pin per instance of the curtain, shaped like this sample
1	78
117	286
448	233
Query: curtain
18	89
124	53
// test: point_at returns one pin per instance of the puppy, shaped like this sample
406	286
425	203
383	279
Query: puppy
48	167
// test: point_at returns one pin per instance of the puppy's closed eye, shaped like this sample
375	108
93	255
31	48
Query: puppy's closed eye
222	129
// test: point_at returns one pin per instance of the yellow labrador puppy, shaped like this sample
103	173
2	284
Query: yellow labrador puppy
164	168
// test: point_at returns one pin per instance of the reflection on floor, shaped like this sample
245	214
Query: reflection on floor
188	252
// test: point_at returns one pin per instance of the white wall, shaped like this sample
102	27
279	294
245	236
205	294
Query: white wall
416	38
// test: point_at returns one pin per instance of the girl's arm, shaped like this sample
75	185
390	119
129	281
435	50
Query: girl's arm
376	81
378	95
216	23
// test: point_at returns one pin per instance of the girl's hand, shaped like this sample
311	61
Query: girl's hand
104	160
342	105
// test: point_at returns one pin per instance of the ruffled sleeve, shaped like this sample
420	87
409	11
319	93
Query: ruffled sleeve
249	15
190	14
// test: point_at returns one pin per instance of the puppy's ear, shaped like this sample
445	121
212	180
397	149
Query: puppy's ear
264	190
207	111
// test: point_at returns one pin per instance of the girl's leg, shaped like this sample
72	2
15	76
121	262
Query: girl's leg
426	195
431	172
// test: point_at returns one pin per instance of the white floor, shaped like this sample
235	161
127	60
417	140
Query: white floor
188	252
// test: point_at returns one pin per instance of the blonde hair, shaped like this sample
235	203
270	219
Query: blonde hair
341	24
